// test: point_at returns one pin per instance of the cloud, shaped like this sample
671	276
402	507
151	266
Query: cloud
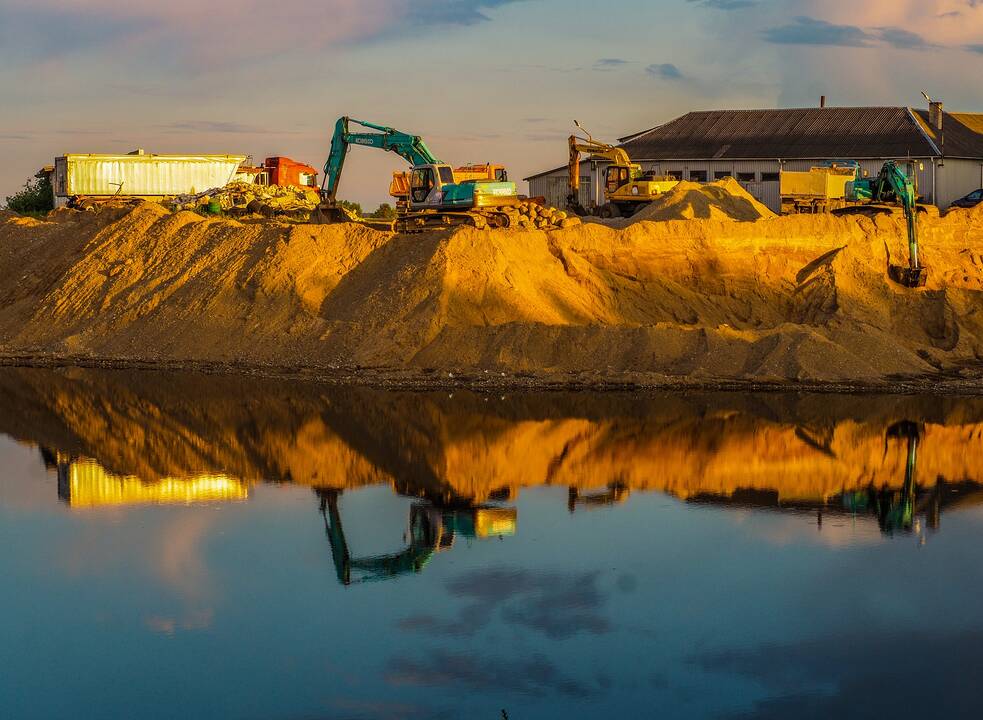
904	39
453	12
534	675
218	128
828	677
665	71
555	604
610	64
725	4
809	31
176	32
975	48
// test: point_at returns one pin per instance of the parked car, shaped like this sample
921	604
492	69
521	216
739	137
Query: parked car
971	200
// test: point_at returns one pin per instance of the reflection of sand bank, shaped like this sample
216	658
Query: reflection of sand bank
804	448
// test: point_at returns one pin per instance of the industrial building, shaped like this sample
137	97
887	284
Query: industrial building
754	146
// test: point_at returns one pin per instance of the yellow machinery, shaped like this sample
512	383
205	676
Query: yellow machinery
627	188
818	190
84	483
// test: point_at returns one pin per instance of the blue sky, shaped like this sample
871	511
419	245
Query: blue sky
485	80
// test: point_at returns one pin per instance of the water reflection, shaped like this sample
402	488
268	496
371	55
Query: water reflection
710	555
130	438
84	483
431	529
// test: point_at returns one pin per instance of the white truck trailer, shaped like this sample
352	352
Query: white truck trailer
81	179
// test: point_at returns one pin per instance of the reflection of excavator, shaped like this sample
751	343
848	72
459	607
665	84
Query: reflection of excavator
893	185
896	509
626	187
436	197
615	494
431	530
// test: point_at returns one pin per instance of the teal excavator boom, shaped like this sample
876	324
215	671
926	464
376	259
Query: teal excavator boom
893	185
409	147
435	198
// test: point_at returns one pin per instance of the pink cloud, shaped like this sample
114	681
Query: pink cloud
219	32
944	22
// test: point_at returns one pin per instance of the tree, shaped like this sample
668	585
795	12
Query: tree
35	197
384	212
352	206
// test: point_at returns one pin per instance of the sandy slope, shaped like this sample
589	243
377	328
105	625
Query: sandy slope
686	301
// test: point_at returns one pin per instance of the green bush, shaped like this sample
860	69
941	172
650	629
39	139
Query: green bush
385	212
353	206
35	197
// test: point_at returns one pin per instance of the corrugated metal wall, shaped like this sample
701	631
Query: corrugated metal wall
151	175
956	179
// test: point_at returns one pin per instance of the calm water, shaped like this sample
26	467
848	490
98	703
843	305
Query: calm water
200	547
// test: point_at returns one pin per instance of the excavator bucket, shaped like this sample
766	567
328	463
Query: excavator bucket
333	214
908	276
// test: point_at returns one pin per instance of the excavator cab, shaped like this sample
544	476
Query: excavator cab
616	176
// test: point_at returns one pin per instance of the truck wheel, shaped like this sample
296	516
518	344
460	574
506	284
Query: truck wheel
609	211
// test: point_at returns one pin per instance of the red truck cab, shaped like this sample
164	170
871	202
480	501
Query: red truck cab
284	171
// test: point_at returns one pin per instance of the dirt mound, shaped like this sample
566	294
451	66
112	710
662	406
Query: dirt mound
721	200
695	301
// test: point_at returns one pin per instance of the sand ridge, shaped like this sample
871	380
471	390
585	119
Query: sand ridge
780	300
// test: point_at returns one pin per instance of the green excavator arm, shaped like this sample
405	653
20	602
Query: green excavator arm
894	185
409	147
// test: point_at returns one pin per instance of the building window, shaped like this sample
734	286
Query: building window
721	174
769	177
698	176
745	177
675	174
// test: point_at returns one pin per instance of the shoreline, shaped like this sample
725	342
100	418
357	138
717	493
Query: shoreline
478	380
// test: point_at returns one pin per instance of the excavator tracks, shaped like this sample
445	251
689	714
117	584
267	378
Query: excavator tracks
441	220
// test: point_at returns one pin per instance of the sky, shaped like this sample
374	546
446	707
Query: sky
481	80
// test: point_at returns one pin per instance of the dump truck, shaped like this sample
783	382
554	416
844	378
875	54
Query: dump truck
86	179
280	171
818	190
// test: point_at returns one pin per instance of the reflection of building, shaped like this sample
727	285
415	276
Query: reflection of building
84	483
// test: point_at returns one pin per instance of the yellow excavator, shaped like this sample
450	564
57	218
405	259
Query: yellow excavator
627	188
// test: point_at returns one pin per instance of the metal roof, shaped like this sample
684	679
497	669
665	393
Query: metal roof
806	133
963	133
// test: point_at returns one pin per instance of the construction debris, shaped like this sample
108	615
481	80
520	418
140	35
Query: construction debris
530	215
245	198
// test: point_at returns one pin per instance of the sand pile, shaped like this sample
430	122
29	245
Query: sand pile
696	301
721	200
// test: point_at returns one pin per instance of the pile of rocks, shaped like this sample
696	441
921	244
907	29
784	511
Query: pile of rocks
245	198
531	215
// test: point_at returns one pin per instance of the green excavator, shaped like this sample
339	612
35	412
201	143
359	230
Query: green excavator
894	186
435	198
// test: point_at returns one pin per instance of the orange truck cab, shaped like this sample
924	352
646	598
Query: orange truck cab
284	171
